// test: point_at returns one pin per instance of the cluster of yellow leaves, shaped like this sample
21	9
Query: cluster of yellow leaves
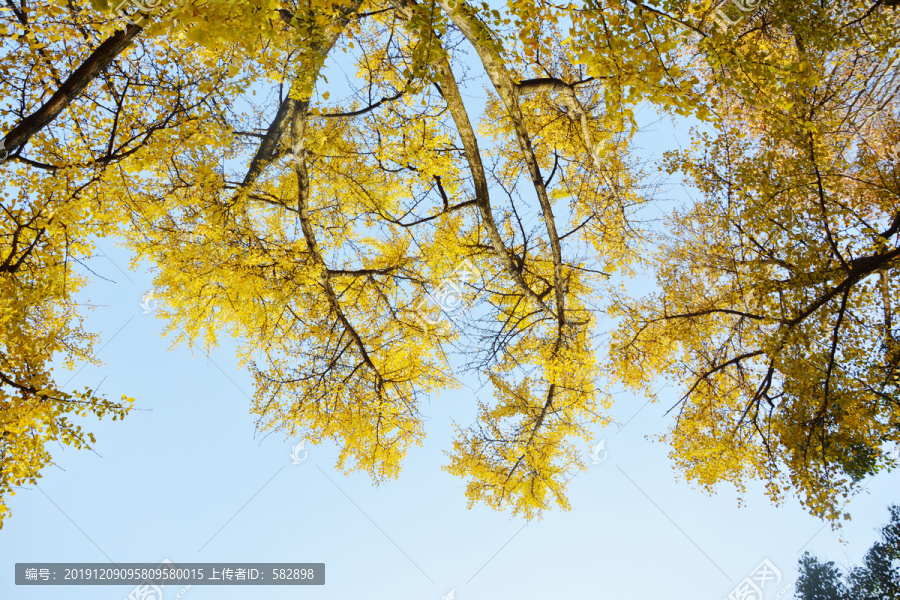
522	450
40	323
314	232
777	309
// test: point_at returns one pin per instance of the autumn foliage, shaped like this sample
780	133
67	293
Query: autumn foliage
311	219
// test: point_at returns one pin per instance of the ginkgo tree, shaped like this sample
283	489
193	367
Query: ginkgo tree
39	323
314	229
778	293
318	254
75	119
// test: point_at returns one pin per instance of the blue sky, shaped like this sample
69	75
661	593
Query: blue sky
186	478
187	473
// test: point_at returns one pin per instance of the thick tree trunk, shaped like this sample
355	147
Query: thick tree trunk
71	88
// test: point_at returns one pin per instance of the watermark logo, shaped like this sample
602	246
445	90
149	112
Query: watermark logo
148	302
150	591
296	456
450	295
141	9
893	454
146	592
745	6
596	452
296	152
751	588
784	590
450	595
894	153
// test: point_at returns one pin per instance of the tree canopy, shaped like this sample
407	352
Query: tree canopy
878	578
314	230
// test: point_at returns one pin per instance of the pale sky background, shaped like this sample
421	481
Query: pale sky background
187	473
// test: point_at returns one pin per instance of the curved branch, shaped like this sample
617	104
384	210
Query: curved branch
450	92
267	150
73	86
475	31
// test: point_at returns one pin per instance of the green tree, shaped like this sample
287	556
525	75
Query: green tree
879	576
877	579
819	581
